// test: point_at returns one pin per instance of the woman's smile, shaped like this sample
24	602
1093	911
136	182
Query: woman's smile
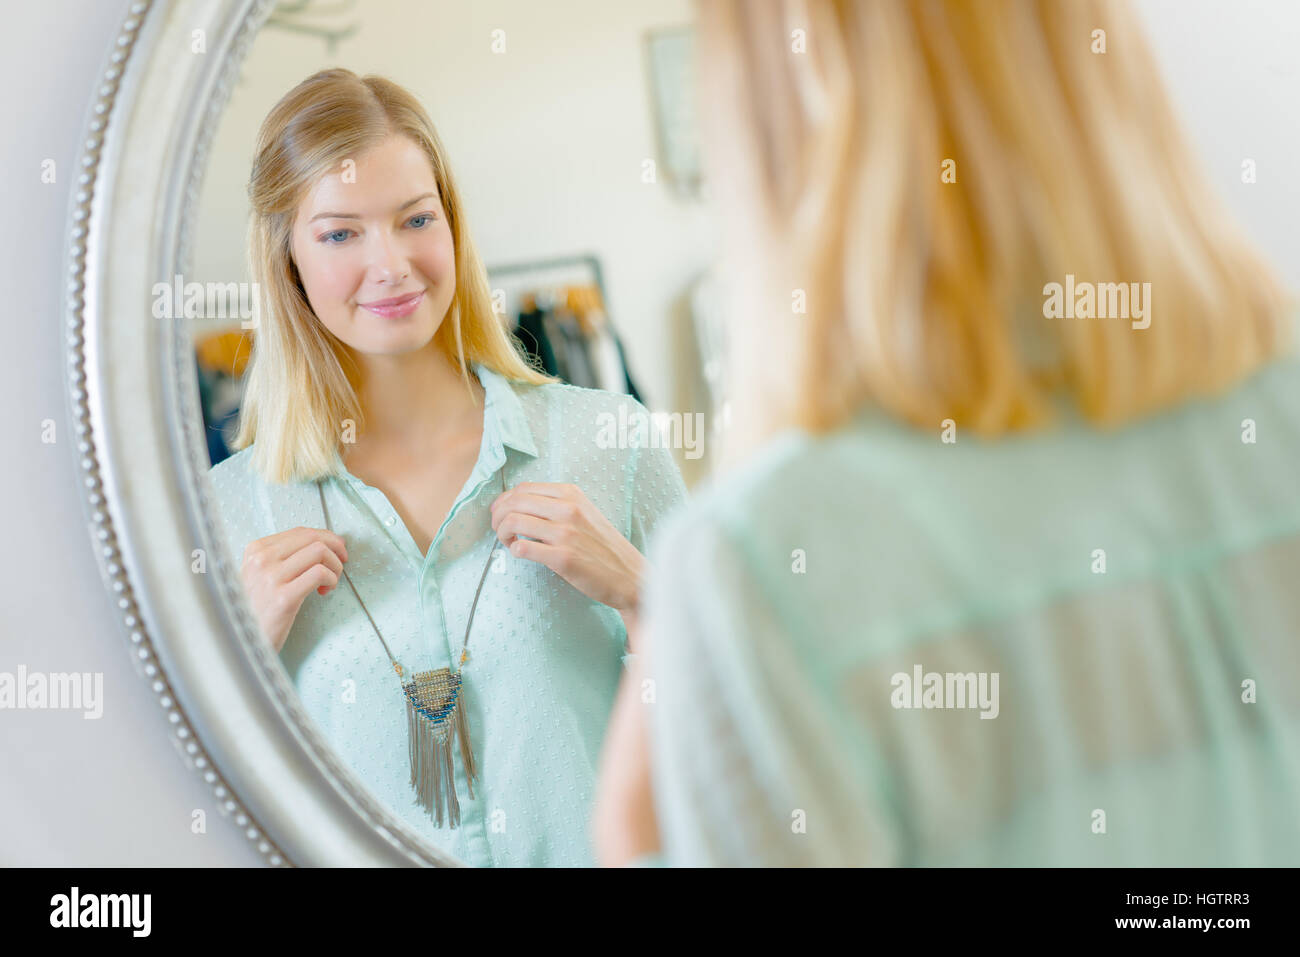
395	308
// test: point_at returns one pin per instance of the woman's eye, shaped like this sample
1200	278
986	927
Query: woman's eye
329	239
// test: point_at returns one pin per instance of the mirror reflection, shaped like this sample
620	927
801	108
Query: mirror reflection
1013	384
472	254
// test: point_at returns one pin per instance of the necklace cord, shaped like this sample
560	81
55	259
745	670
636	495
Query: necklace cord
465	644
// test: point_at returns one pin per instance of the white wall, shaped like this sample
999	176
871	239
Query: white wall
73	792
1234	69
112	791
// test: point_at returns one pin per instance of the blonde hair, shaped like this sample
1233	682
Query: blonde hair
301	380
926	298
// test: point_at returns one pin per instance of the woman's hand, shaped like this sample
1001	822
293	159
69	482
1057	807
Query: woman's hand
572	539
279	570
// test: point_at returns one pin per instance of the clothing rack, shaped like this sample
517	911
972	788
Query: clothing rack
582	261
557	310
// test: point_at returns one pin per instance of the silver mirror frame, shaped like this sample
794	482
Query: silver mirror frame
234	715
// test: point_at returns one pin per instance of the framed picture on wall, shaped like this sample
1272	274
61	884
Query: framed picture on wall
672	86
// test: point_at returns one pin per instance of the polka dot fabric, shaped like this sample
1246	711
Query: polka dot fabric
545	660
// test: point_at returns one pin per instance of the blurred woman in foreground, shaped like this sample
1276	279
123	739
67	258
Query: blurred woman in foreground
1003	572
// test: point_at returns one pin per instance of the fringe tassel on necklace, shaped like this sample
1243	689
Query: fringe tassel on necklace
435	716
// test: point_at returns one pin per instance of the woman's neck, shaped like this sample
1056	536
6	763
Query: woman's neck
415	402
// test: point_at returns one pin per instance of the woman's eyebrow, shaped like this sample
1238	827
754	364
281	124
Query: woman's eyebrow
409	202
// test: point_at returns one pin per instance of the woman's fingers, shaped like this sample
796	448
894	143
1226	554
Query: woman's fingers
279	570
515	524
563	490
571	537
556	559
313	553
530	503
316	577
283	544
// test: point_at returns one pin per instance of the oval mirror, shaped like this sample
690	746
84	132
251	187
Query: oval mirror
576	164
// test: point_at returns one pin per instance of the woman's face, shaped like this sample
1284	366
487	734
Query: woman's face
371	233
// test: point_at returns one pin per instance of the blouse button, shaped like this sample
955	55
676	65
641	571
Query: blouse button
389	522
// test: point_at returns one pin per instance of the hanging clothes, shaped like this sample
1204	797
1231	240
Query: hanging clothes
220	360
565	331
531	333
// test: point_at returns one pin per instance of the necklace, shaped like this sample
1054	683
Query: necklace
435	711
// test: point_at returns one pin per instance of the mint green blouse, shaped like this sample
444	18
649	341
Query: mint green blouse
545	660
1135	593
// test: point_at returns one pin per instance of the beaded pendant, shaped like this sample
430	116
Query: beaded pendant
435	716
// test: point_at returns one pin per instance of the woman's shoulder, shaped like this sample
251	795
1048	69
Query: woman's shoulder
879	500
785	480
237	497
590	423
566	398
240	489
770	489
799	518
234	470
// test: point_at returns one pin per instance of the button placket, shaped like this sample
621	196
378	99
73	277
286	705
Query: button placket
455	642
433	619
466	497
383	512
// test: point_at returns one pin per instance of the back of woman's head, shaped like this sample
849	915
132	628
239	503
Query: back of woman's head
301	383
906	178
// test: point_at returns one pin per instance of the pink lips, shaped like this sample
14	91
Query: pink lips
395	308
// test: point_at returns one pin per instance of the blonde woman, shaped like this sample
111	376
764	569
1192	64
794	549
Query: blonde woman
998	580
393	441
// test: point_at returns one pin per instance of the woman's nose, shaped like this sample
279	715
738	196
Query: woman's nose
388	261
